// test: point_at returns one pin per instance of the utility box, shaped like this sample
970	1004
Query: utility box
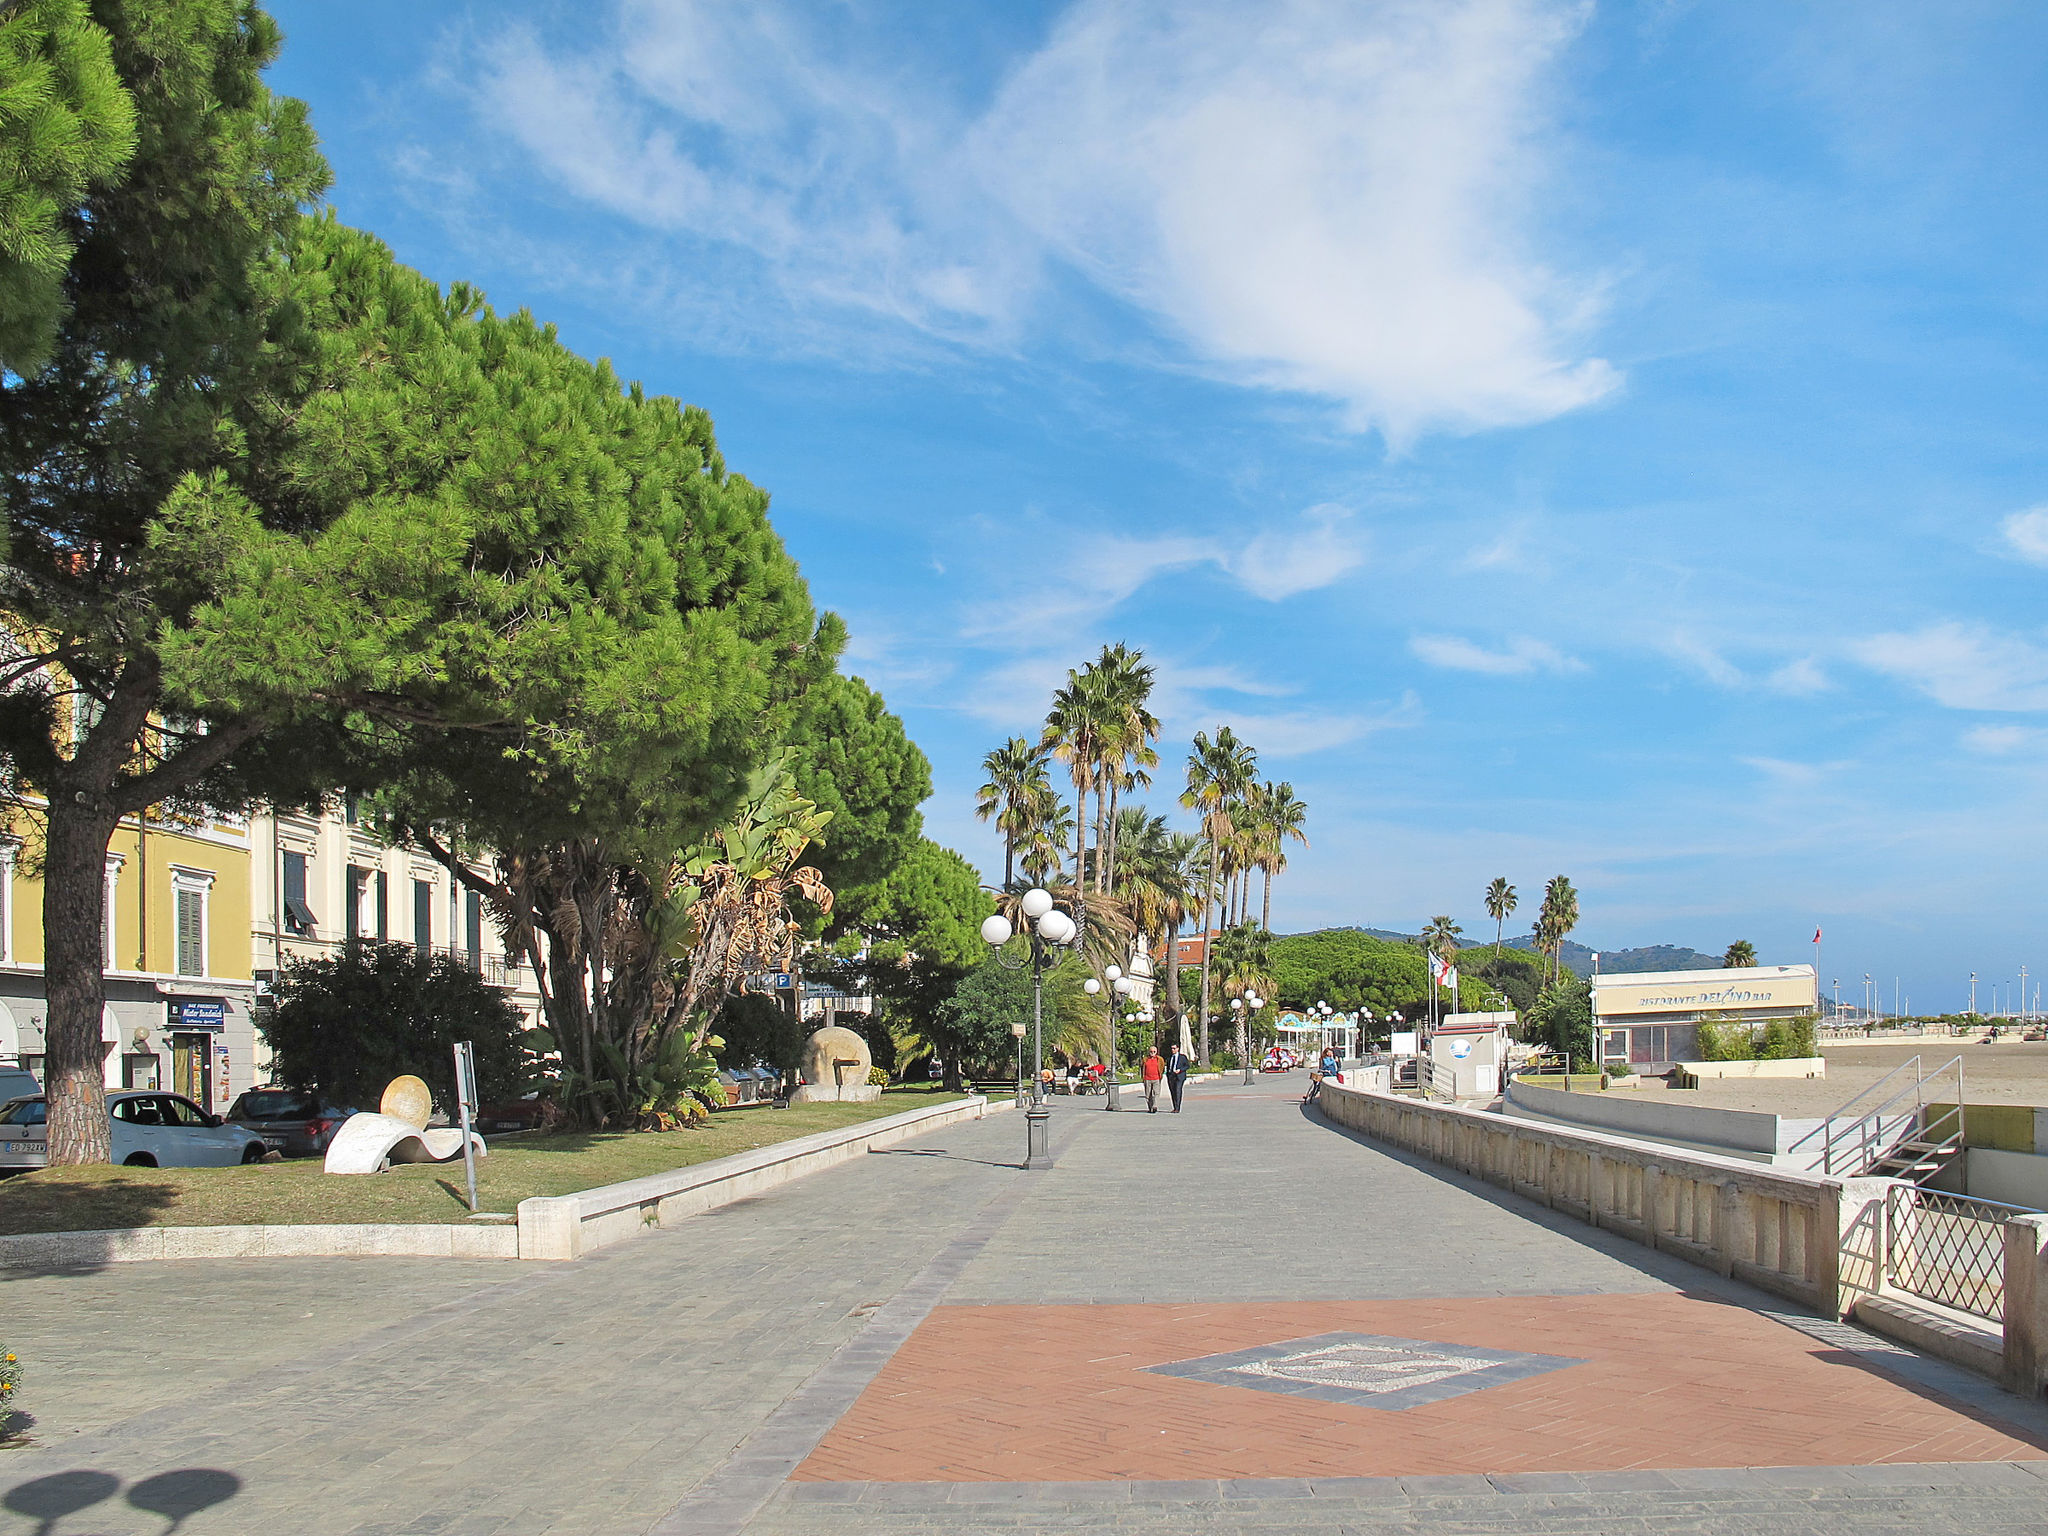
1472	1048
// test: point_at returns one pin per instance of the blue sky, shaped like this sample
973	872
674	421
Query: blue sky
1563	438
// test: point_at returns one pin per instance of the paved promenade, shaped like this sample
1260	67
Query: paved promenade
1235	1319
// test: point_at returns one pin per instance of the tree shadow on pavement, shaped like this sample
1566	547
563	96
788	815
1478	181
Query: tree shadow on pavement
173	1496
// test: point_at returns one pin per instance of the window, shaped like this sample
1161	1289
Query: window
27	1112
423	913
114	861
184	1112
191	932
146	1110
7	851
298	912
358	877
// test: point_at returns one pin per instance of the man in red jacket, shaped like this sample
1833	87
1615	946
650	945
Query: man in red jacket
1154	1069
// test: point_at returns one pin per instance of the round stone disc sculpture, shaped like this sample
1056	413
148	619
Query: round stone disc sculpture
397	1133
835	1068
409	1099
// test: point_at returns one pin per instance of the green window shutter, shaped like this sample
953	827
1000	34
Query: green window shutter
383	907
423	913
191	933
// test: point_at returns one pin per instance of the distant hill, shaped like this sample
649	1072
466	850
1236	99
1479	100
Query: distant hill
1613	962
1579	958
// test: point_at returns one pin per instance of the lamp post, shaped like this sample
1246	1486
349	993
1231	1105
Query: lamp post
1245	1006
1018	1030
1050	932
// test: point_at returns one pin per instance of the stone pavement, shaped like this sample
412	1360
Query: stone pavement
1237	1319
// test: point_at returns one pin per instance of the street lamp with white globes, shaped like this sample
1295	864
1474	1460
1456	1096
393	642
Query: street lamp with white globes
1244	1007
1050	931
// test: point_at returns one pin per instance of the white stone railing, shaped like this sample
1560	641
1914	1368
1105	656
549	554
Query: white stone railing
1813	1239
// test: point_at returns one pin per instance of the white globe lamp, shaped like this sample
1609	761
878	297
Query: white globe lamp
1091	986
995	928
1036	903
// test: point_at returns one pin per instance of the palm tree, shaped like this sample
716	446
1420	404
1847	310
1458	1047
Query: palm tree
1073	734
1500	906
1244	964
1558	917
1125	755
1014	796
1439	938
1282	815
1740	953
1217	773
1045	839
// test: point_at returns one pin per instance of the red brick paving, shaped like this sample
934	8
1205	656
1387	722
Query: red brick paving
1032	1394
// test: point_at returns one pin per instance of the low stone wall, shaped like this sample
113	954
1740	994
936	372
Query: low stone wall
569	1226
89	1250
1812	1239
1785	1066
1732	1131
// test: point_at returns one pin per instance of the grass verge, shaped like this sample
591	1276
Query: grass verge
288	1193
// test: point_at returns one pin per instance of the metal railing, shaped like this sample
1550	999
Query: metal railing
1439	1081
1947	1248
1891	1115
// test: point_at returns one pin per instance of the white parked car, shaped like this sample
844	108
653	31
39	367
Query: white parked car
150	1130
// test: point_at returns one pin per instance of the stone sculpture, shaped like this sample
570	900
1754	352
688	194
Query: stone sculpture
397	1133
835	1069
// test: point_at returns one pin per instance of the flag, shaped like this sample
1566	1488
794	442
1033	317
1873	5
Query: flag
1816	935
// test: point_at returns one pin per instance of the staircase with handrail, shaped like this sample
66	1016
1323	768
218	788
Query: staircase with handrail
1906	1125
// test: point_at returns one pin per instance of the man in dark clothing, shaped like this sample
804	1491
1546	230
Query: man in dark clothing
1177	1075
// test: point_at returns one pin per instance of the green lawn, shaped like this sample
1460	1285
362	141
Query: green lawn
92	1199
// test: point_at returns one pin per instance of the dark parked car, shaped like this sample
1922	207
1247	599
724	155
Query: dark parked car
289	1120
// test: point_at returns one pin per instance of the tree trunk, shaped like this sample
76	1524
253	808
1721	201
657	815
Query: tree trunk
1206	926
1171	980
1266	900
74	918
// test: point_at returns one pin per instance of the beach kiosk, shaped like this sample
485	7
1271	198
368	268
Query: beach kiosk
1472	1048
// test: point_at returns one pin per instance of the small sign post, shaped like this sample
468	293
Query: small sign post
465	1096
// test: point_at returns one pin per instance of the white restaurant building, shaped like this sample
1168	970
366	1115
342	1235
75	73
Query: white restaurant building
1650	1019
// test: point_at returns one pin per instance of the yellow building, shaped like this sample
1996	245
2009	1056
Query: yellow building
179	992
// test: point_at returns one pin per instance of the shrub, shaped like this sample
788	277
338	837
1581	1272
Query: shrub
347	1024
877	1077
10	1383
1723	1040
1788	1039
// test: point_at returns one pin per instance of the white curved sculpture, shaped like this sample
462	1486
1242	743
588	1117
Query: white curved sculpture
365	1143
397	1133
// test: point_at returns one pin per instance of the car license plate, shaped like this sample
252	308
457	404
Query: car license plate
274	1141
28	1146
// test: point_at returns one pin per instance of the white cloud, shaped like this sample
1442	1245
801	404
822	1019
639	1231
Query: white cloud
1521	656
1281	563
2001	740
1799	678
2027	534
1707	661
1792	773
1963	666
1052	589
1297	733
1340	200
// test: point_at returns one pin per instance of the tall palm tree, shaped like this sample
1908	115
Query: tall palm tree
1125	755
1073	734
1558	917
1740	953
1500	906
1045	839
1440	938
1282	815
1013	796
1217	772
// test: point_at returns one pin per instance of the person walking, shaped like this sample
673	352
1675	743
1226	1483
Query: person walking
1177	1066
1154	1069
